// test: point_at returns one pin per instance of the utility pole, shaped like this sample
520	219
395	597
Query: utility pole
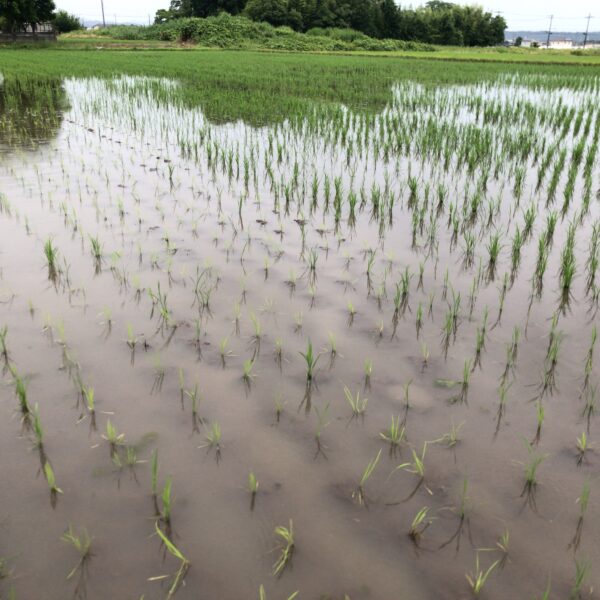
103	19
586	30
549	32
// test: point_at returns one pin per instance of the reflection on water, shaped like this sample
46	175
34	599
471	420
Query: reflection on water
232	293
31	110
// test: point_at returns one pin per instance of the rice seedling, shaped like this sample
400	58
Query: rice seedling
583	501
395	434
416	467
287	547
351	313
583	447
51	254
479	577
82	543
359	493
581	572
420	523
311	361
51	480
248	375
357	404
451	438
178	578
494	247
530	471
462	396
96	248
113	438
213	440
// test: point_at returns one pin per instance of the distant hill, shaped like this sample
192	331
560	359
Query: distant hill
541	36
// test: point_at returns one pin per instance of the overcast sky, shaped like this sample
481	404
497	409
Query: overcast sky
532	14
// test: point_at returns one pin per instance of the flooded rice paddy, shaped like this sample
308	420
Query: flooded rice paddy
347	354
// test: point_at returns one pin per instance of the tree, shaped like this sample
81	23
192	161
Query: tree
16	15
65	22
518	41
271	11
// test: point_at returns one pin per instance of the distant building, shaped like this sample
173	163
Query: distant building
42	32
559	44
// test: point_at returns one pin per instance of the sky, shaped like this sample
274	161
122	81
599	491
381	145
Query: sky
519	14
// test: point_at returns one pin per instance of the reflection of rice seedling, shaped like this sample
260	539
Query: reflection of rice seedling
37	428
279	404
21	393
357	404
184	563
583	504
368	368
359	493
263	596
503	544
166	503
3	345
589	410
252	488
424	356
287	548
322	422
589	362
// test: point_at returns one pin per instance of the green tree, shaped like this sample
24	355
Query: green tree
65	22
271	11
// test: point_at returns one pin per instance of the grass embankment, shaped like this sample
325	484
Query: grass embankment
225	31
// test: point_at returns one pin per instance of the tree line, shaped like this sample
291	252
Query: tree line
21	15
437	22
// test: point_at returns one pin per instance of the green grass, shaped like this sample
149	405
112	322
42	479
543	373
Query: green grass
264	87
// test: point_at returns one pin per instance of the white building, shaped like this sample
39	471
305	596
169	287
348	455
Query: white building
558	44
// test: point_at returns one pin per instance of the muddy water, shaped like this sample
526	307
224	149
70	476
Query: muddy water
119	169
